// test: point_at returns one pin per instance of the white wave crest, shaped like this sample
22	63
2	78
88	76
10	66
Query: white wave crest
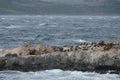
13	26
56	74
80	40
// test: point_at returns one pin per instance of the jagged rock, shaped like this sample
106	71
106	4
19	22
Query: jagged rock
94	57
98	48
41	49
66	49
83	47
74	48
57	49
101	43
20	51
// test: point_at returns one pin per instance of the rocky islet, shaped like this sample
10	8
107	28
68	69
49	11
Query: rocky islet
99	56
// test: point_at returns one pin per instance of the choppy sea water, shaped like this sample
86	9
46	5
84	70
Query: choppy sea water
56	75
56	31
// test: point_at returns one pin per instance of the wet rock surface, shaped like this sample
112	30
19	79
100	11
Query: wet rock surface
101	56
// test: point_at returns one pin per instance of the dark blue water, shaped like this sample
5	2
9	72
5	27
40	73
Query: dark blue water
57	30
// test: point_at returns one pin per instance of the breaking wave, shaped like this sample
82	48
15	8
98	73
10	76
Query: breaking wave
56	74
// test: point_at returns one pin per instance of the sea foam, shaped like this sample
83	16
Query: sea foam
56	74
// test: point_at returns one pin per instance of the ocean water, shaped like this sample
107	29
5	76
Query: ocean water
56	75
56	31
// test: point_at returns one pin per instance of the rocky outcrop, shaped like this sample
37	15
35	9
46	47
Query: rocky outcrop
97	56
42	49
20	51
